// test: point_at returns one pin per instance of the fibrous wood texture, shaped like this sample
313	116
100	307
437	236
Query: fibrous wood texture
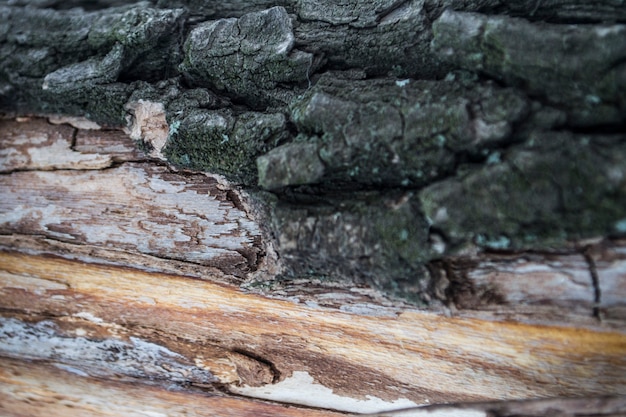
131	297
121	324
302	206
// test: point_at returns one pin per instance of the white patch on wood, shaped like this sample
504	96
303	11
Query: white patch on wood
148	124
89	317
42	147
87	356
77	122
302	389
135	208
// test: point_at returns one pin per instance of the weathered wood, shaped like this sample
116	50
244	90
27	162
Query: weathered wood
283	351
466	157
54	392
599	406
40	389
538	287
136	208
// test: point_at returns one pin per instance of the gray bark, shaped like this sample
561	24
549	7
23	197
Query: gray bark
381	139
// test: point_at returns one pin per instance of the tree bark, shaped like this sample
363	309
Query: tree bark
235	199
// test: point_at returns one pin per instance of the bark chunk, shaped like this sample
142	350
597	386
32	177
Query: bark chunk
579	68
248	57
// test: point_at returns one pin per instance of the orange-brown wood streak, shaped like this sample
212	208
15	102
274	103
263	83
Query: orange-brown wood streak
425	356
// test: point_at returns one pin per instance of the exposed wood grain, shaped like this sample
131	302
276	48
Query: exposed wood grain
570	407
43	389
138	208
419	357
43	146
50	190
114	143
540	288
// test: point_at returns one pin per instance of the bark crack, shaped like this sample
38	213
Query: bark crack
593	272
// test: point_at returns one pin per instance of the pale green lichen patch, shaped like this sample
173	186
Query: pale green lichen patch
292	164
223	142
582	72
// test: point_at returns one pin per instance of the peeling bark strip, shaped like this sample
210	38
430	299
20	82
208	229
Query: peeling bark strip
134	207
410	357
137	208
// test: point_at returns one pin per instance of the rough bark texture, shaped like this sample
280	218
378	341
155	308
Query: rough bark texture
496	126
360	159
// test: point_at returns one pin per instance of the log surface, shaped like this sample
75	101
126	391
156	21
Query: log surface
266	348
139	272
422	202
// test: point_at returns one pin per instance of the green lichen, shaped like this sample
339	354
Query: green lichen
246	60
221	142
578	70
70	61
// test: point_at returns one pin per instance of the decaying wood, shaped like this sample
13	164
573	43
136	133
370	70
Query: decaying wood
550	287
422	203
89	311
55	392
38	389
136	208
191	331
572	407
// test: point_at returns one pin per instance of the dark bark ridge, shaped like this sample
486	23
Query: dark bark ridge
377	136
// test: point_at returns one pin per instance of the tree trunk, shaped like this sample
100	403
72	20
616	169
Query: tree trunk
307	208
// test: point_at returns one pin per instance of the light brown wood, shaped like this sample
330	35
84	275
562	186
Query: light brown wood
37	389
419	357
593	406
582	287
